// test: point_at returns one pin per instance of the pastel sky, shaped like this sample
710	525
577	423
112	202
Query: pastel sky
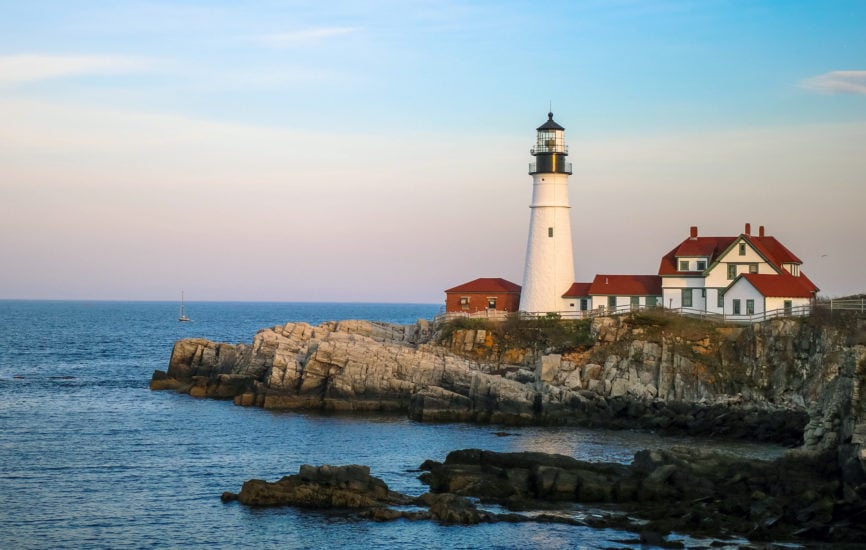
378	150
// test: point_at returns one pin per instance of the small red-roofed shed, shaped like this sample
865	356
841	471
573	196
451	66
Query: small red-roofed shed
613	291
483	294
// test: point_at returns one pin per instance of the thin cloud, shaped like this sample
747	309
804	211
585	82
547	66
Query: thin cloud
34	67
837	82
303	37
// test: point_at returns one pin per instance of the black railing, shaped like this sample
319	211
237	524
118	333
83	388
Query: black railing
549	149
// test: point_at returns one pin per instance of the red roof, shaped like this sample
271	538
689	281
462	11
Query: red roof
577	290
485	284
626	285
782	285
707	247
773	250
712	247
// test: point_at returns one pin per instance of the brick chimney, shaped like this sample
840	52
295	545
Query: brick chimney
748	229
694	232
761	231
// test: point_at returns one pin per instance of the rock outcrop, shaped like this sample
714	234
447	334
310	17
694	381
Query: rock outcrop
688	490
348	366
782	381
320	487
800	498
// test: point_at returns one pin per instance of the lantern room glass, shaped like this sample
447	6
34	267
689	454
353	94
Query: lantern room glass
550	141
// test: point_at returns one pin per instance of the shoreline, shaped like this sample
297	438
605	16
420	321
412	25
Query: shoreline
731	383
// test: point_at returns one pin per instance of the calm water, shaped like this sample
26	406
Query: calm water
91	458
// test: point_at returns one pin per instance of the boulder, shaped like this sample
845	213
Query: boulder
322	487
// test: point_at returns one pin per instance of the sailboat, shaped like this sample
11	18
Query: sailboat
183	318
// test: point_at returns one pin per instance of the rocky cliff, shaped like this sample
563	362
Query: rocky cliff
787	380
345	366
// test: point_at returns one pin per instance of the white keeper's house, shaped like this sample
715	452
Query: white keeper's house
741	277
736	276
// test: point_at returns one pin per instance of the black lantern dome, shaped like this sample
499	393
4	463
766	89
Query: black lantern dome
550	149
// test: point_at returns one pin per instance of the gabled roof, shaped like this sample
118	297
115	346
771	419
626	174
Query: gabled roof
626	285
485	284
783	285
707	247
577	290
773	250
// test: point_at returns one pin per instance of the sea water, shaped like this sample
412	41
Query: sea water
91	458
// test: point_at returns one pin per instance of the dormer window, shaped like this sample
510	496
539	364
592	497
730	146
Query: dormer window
684	265
793	269
702	265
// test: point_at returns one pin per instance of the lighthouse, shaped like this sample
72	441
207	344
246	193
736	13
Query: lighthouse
549	269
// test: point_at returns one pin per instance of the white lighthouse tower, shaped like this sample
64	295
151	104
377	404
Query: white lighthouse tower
549	270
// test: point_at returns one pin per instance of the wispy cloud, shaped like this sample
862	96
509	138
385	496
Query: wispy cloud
837	82
32	67
303	36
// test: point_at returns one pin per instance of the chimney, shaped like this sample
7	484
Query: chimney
761	231
748	229
694	232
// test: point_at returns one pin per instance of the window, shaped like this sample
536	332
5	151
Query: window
687	297
742	249
584	304
550	232
750	307
753	268
491	303
634	302
611	302
702	265
651	301
684	265
732	272
721	302
704	293
464	302
736	307
789	306
793	269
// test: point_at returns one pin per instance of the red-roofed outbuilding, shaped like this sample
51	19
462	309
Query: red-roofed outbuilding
493	294
617	291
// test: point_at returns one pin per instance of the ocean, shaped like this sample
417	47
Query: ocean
91	458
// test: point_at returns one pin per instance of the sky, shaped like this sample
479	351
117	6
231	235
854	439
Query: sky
377	151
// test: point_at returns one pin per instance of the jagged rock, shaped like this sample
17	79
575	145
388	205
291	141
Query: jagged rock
759	382
449	508
684	489
321	487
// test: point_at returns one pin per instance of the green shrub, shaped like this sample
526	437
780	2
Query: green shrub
448	328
